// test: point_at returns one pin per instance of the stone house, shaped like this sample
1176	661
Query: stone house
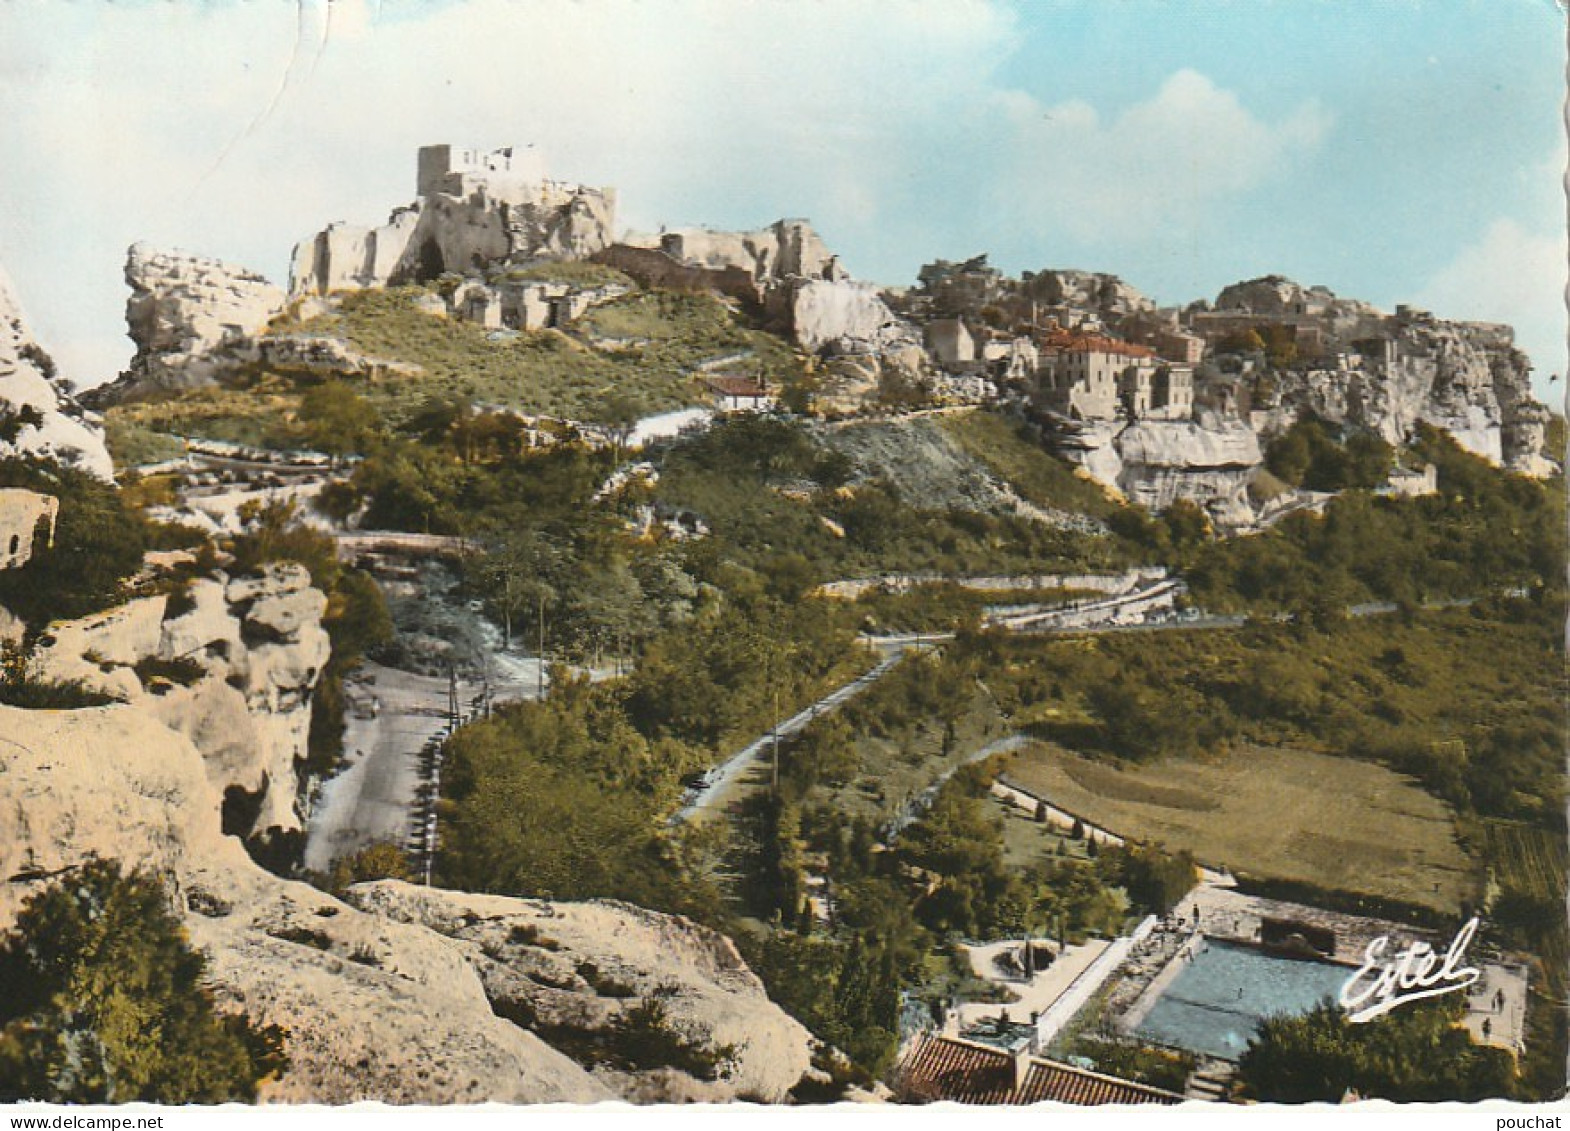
951	343
1172	392
1410	483
1090	377
528	305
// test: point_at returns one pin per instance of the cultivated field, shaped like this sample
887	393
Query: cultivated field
1281	813
1526	858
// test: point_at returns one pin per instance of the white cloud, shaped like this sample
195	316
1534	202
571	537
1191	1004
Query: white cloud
1514	275
1167	160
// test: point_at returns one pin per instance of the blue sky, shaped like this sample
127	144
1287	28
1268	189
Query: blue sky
1393	151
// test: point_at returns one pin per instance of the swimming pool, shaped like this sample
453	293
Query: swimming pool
1217	1000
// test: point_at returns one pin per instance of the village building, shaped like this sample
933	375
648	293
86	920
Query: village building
1091	377
21	513
1409	483
1172	392
1011	359
739	394
951	343
941	1068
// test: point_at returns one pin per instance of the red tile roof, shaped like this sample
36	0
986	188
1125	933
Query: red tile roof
736	386
1066	342
943	1068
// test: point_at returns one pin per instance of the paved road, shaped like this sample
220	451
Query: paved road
391	716
718	781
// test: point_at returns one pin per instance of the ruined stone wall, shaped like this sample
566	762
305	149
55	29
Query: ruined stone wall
20	513
654	268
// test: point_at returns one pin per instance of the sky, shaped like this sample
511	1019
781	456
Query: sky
1394	151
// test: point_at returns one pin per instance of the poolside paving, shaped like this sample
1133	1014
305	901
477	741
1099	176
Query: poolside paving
1036	994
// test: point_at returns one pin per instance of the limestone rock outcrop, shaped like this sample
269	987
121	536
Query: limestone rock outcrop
1464	377
38	415
1206	463
1108	296
1070	297
841	317
546	959
185	311
231	668
402	994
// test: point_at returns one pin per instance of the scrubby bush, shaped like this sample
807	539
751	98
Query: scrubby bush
103	1001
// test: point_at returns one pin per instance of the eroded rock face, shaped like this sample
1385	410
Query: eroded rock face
843	317
582	965
245	659
184	310
1388	373
1209	464
401	994
40	417
1106	295
374	1009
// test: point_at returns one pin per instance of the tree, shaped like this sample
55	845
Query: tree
102	1001
1414	1054
338	420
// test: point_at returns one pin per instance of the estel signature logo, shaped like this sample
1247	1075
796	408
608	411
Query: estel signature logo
1382	983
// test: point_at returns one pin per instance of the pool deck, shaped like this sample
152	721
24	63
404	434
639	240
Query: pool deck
1036	995
1499	997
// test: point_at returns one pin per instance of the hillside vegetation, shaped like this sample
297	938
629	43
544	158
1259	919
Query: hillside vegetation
635	355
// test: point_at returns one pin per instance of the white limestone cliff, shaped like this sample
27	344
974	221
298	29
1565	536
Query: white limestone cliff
1207	463
40	417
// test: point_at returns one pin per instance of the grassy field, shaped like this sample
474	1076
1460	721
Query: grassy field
1279	813
139	431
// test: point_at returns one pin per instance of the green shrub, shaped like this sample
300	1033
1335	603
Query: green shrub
102	1001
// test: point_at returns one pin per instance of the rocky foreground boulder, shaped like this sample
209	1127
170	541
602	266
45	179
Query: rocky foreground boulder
401	994
230	664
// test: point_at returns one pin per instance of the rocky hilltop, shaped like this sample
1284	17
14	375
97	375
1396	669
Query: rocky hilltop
185	311
1175	386
473	209
396	993
38	415
1355	365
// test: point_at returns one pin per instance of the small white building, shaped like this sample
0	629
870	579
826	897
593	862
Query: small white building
1406	483
739	394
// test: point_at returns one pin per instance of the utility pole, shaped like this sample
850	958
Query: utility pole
776	737
540	664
